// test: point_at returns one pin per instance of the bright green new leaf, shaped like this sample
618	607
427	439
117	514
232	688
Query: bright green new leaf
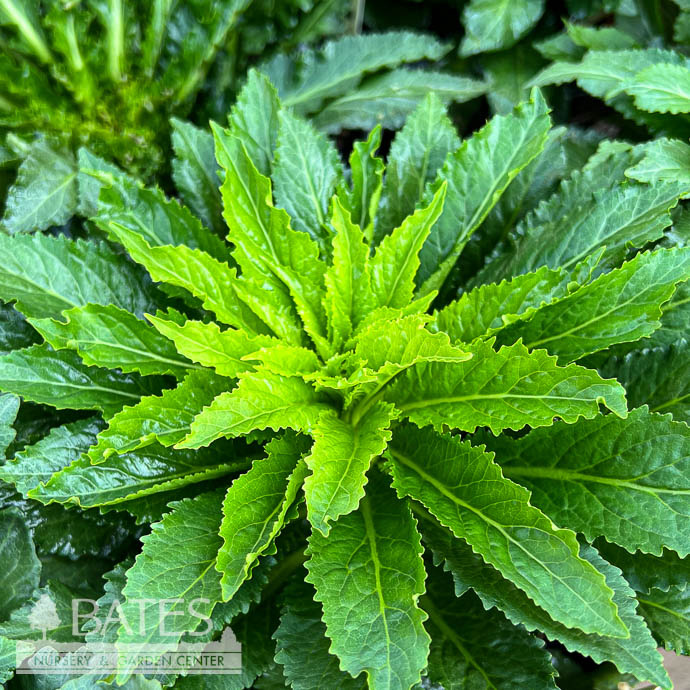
362	200
339	461
212	281
256	508
114	338
207	344
267	249
396	261
507	389
261	401
349	296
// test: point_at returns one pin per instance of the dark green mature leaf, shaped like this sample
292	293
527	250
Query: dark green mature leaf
61	380
341	64
306	172
448	476
339	461
127	476
8	658
9	405
604	73
507	389
254	119
621	306
261	401
15	331
417	152
645	572
668	616
45	192
253	631
114	338
21	567
477	174
388	99
472	647
62	446
368	574
101	627
497	24
623	479
636	654
176	563
628	215
195	172
661	88
255	509
163	419
658	377
664	159
46	275
124	203
565	151
22	623
308	666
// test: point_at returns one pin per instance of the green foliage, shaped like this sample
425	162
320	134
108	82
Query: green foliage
418	418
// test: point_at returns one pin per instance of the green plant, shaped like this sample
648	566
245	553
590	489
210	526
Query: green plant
333	445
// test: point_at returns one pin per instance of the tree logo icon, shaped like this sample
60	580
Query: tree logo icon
44	615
